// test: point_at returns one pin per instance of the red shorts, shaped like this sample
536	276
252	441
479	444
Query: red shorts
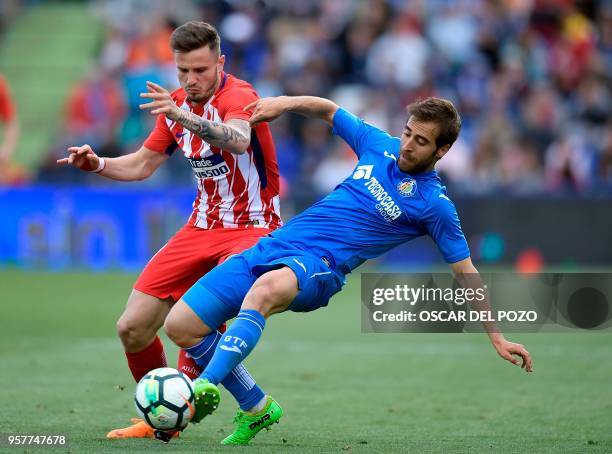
189	255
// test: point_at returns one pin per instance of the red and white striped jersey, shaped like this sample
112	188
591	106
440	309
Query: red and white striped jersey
233	190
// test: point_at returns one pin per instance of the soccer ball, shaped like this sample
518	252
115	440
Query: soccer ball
164	399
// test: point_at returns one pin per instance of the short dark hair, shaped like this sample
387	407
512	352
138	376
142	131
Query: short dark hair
442	112
194	35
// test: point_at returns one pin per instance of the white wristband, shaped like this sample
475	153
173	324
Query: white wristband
101	165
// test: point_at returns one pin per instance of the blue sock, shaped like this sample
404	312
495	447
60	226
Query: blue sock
238	382
236	344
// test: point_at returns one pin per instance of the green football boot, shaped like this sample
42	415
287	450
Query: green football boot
248	425
207	398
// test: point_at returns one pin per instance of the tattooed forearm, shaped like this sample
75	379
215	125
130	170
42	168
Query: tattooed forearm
217	134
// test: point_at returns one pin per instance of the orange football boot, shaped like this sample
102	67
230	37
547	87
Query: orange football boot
138	429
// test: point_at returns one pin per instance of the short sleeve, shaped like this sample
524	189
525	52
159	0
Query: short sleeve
442	223
357	133
233	103
161	139
7	108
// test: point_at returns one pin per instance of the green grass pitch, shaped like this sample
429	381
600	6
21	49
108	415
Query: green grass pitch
62	370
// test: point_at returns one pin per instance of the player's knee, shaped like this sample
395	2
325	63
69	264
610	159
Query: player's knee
263	297
184	327
180	334
132	333
175	332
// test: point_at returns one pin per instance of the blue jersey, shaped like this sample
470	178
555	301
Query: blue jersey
377	208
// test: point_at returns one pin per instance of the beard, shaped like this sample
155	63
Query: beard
202	98
414	167
196	98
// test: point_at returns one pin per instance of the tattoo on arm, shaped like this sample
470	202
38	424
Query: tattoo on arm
217	134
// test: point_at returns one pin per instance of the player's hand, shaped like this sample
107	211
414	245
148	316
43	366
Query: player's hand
509	351
266	109
82	157
162	102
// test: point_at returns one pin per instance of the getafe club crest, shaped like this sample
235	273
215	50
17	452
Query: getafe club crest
407	187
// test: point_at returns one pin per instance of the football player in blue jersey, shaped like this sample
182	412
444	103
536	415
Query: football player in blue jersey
394	195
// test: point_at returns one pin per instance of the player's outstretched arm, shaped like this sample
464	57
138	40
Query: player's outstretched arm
233	136
468	276
131	167
268	109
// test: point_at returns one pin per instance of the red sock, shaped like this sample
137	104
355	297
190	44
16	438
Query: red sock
187	365
145	360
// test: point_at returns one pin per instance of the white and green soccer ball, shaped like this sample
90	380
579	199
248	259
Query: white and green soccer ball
164	399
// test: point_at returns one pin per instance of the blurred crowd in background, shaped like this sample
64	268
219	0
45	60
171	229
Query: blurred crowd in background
532	80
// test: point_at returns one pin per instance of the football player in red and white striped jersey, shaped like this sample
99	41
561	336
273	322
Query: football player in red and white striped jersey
237	200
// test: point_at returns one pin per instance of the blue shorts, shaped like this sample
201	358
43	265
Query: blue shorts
218	296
